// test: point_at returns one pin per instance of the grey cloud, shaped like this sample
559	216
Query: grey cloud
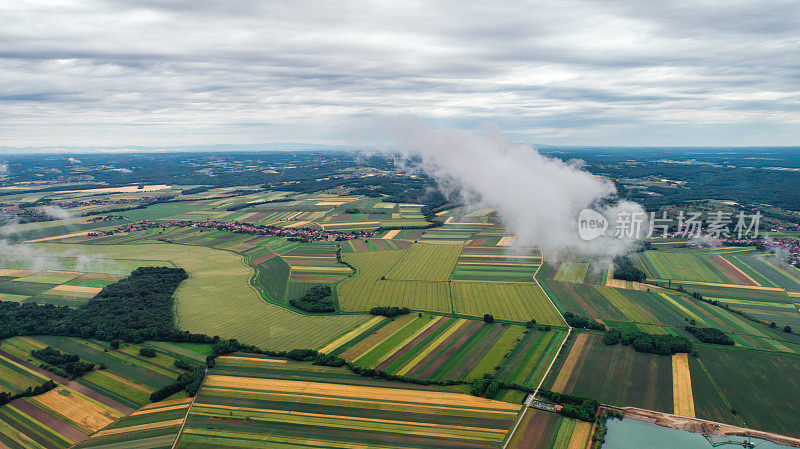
603	72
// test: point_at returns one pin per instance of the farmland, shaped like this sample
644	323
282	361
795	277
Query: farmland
756	384
247	399
78	408
376	237
508	301
395	278
367	290
547	430
152	426
482	261
669	311
614	375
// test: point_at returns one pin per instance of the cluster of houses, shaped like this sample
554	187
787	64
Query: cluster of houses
306	234
103	202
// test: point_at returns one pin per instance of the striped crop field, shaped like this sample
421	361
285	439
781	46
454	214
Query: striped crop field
423	262
403	234
436	348
527	363
374	244
366	289
642	310
521	301
78	408
594	273
686	266
451	233
154	426
605	303
482	261
541	429
16	377
767	272
250	400
310	265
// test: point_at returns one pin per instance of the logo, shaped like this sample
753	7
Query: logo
591	224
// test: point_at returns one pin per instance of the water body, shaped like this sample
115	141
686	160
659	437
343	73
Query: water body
632	434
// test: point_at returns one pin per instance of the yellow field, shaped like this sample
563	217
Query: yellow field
572	359
84	413
682	385
350	335
359	391
391	234
580	435
507	240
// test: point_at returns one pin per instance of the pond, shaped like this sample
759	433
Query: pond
632	434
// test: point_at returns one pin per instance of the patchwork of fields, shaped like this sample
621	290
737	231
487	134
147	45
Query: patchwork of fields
480	260
250	400
406	278
78	408
154	426
61	280
662	311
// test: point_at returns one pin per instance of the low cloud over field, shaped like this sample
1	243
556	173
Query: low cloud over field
537	197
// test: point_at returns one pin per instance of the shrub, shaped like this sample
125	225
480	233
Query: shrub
390	312
488	318
147	352
710	335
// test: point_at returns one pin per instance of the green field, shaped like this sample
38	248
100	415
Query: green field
366	289
760	386
425	263
504	300
615	375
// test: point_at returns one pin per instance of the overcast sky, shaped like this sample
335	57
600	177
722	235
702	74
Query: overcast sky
161	73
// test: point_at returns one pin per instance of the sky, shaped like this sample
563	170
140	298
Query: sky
163	73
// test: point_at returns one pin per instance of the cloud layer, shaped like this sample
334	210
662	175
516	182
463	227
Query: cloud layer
154	72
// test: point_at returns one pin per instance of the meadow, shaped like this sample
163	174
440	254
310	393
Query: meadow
218	299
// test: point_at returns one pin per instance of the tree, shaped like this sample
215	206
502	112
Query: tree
147	352
612	337
114	344
488	318
788	329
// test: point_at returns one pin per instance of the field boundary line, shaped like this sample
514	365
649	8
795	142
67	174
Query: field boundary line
186	417
552	362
